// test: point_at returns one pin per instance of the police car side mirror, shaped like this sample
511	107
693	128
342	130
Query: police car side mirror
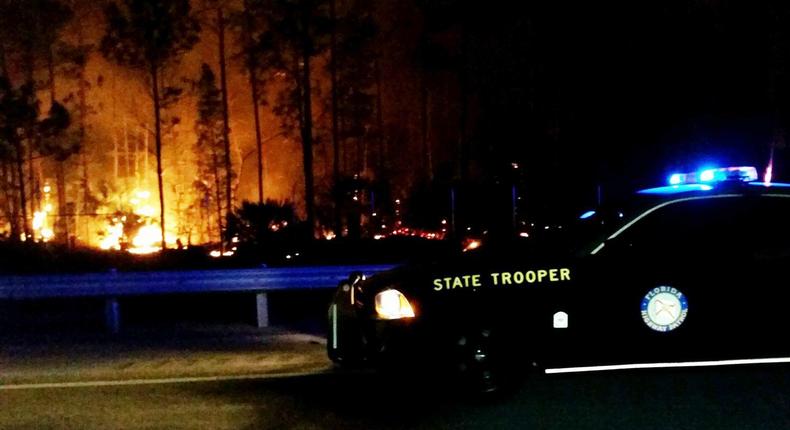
355	277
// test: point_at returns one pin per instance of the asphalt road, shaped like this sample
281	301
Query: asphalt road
710	398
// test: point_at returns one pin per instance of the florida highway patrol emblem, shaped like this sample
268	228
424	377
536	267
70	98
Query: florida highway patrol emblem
664	308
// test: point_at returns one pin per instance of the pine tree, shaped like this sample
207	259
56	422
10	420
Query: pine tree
210	147
300	29
149	35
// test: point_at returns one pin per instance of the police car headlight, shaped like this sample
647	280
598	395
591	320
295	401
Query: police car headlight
392	305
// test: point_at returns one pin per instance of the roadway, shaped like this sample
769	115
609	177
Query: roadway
711	398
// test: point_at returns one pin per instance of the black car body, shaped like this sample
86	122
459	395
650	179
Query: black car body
694	274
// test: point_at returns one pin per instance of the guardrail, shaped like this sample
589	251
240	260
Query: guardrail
112	285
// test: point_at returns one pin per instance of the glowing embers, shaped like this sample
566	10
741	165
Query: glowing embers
42	227
472	244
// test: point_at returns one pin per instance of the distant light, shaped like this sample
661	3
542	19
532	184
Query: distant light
546	227
587	214
47	189
288	257
227	254
472	244
514	165
675	179
215	254
523	234
619	214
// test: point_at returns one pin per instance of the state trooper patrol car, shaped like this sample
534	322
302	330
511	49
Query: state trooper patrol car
692	273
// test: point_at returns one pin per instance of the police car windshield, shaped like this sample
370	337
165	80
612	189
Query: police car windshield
594	227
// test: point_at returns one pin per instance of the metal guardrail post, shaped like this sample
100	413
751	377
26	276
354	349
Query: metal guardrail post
262	309
112	315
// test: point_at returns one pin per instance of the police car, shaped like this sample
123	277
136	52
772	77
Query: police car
692	273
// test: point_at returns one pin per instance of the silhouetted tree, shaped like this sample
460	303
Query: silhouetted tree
210	147
148	35
257	56
300	29
216	12
18	114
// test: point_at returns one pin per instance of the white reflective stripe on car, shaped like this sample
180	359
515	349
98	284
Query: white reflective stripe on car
334	326
653	209
669	365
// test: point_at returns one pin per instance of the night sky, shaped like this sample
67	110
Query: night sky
624	94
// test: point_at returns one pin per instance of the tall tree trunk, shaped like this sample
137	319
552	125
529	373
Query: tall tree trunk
335	127
426	127
258	139
158	143
61	225
126	159
20	174
218	199
13	200
51	72
382	143
307	132
223	83
115	161
463	143
60	175
3	65
82	95
9	197
31	173
252	70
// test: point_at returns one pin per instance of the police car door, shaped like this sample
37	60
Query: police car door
767	286
664	283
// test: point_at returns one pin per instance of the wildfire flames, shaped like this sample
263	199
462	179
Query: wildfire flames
147	237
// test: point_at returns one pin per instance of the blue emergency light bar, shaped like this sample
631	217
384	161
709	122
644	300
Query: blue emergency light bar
707	176
703	180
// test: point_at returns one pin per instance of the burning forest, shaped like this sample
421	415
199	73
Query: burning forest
133	124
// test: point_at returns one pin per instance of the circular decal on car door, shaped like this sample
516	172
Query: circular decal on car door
664	308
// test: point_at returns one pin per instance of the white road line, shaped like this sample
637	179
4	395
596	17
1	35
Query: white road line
668	365
156	381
